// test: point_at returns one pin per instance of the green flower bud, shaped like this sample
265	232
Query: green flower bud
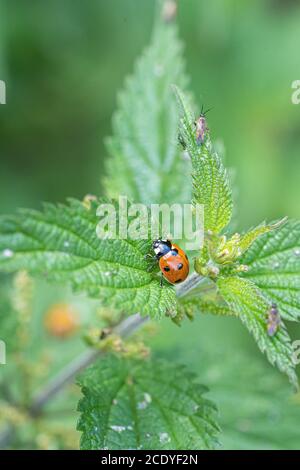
227	251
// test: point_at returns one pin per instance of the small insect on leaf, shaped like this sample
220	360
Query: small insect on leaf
201	127
169	11
273	320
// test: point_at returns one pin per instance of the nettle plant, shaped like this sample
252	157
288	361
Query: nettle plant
131	401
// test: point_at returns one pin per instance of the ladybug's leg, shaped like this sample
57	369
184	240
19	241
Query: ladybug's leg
152	261
161	279
151	266
150	257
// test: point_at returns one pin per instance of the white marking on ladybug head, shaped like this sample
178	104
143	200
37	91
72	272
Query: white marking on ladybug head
161	246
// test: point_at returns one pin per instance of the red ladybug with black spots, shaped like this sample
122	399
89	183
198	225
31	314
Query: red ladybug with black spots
173	261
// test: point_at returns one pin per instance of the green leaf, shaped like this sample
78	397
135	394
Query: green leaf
61	244
146	163
257	409
274	266
248	238
210	180
244	298
131	404
189	306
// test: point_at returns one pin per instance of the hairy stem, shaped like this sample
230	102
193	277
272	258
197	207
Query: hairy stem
124	329
191	283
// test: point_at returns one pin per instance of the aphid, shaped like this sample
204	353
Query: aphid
181	141
173	261
169	11
273	320
201	127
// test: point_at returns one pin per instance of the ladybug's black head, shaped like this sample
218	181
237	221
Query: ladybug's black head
161	247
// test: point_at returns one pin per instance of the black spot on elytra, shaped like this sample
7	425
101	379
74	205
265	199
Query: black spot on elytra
167	269
178	280
179	266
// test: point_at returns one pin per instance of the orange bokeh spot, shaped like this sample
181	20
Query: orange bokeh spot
61	320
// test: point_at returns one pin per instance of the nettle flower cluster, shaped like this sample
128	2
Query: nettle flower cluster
130	401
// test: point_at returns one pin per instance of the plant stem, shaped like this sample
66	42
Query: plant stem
193	281
6	436
124	329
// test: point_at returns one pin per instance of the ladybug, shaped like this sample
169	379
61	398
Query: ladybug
173	261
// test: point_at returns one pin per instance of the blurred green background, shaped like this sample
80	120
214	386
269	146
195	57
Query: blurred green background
63	62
